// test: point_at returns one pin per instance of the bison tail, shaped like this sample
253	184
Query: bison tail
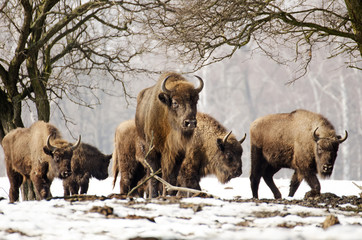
115	168
115	178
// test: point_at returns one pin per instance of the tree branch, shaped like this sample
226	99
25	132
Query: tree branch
168	186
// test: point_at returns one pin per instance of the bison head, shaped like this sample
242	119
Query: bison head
228	157
181	100
326	152
61	154
100	168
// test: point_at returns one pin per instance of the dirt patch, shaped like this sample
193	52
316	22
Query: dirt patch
325	200
351	204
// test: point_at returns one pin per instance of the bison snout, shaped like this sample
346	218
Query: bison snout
191	124
327	168
65	174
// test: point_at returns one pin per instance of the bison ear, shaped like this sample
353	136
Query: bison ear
47	151
220	144
165	98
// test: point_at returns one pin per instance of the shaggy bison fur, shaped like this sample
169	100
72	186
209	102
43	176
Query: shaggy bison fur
87	162
128	157
300	140
166	115
213	151
37	153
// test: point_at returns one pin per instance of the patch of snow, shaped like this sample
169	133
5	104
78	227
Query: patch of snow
210	219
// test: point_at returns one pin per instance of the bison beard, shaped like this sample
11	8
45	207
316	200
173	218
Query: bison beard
300	140
37	153
166	115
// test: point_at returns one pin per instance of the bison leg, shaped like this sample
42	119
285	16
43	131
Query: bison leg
268	178
257	160
15	180
27	190
189	175
66	188
154	160
83	183
314	184
40	180
294	184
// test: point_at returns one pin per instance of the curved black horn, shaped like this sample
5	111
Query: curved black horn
201	84
341	140
315	136
49	146
75	145
163	85
243	139
226	137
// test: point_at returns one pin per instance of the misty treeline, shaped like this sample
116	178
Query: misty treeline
96	71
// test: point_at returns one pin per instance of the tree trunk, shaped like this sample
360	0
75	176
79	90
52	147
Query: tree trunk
355	13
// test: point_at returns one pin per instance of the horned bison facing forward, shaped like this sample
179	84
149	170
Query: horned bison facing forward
37	153
300	140
166	113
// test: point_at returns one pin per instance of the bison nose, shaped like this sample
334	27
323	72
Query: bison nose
190	123
66	174
327	168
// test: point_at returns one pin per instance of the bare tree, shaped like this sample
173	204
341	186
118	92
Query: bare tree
49	47
197	29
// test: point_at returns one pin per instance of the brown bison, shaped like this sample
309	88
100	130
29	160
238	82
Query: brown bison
37	153
213	151
128	156
300	140
87	162
166	114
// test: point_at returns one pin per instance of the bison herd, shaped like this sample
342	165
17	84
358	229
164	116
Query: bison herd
168	133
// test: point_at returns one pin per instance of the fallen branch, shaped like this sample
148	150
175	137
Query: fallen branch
143	182
167	185
360	187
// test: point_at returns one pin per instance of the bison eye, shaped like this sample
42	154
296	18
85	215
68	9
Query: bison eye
56	159
174	104
229	156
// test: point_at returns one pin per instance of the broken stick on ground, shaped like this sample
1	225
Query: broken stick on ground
168	186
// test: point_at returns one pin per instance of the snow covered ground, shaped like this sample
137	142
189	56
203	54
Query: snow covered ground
188	218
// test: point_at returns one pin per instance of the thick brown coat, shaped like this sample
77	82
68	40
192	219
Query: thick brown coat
128	156
210	153
300	140
29	155
213	150
87	162
166	114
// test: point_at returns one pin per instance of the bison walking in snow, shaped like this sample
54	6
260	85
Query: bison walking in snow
300	140
213	150
166	113
87	162
37	153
